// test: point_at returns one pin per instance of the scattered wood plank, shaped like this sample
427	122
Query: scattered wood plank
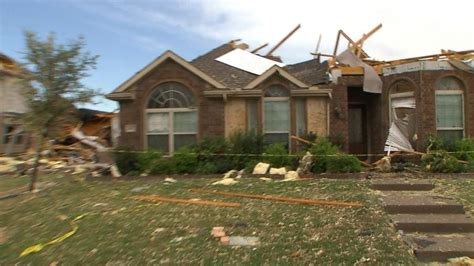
155	198
283	199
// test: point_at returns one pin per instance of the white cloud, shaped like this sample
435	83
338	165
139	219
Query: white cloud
410	28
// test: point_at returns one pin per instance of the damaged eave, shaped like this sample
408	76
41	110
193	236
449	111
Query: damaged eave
120	96
237	93
312	91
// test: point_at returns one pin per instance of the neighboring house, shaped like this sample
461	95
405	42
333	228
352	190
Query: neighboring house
172	102
13	138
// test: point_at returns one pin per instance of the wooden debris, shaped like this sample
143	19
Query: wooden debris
155	198
283	40
283	199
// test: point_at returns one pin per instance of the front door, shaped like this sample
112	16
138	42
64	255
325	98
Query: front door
357	129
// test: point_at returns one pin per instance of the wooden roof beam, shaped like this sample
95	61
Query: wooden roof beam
283	40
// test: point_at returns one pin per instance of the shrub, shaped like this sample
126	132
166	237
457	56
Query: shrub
147	159
277	156
185	161
440	161
247	145
126	160
343	163
465	149
322	148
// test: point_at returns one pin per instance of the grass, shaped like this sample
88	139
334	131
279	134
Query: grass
121	230
461	189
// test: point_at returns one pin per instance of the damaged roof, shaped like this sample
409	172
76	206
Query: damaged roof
311	72
230	76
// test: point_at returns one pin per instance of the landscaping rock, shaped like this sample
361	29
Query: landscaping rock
292	175
261	168
278	171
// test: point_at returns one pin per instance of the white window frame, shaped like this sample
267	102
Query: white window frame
277	99
408	94
452	92
170	133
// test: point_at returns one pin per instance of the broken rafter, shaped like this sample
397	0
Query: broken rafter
259	48
155	198
283	40
428	57
283	199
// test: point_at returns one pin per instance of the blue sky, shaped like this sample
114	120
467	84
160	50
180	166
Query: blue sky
128	34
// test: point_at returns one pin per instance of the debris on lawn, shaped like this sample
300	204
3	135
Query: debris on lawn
304	165
265	179
283	199
218	232
139	189
39	247
230	174
244	241
261	168
383	165
278	171
461	261
226	182
170	180
9	165
155	198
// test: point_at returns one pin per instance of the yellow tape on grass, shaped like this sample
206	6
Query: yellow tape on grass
40	246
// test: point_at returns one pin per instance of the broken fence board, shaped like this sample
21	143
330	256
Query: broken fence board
155	198
283	199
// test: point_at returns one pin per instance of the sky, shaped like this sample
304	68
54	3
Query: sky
129	34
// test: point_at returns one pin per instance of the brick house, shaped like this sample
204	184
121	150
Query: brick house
442	93
172	102
14	138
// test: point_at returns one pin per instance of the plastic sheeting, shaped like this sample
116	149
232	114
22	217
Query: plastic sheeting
372	81
247	61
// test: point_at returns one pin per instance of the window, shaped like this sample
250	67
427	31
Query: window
449	109
276	114
252	114
8	133
171	118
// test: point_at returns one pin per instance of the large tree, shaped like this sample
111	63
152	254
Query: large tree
53	78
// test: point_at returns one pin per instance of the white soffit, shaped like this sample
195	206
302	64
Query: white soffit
247	61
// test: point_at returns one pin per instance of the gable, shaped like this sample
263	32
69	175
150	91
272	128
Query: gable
121	93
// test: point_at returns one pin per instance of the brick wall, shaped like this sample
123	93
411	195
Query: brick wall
132	112
424	83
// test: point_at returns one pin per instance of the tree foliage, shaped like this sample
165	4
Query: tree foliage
53	84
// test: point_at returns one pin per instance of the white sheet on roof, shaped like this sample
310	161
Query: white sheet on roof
247	61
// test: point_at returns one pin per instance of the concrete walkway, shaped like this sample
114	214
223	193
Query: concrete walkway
434	226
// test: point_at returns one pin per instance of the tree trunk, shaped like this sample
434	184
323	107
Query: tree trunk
39	146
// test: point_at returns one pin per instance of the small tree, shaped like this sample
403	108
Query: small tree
53	85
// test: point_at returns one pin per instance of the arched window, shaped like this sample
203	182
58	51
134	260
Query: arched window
276	114
171	117
449	109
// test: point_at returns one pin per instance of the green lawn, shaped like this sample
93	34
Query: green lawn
461	189
121	230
